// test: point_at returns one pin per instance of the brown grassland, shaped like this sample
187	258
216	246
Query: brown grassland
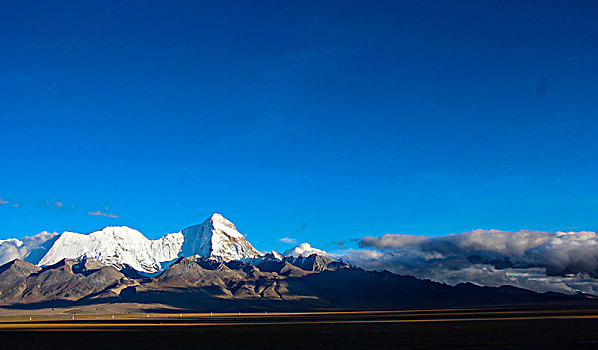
490	328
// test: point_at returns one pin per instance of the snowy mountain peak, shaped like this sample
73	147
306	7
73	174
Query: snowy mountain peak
219	222
219	239
218	218
121	246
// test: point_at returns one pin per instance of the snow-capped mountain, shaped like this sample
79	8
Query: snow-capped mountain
216	238
117	246
219	239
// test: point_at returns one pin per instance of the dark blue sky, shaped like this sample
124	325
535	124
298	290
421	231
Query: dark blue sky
320	121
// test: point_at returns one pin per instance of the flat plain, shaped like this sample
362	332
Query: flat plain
486	328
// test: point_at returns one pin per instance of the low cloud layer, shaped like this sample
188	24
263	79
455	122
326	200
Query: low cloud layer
542	261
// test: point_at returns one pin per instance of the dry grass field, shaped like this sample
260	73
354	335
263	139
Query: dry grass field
405	329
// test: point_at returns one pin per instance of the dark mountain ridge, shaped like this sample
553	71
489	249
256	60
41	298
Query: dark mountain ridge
202	284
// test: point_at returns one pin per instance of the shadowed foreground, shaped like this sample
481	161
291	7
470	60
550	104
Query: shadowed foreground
410	329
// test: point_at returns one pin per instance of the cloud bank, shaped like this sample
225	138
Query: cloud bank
542	261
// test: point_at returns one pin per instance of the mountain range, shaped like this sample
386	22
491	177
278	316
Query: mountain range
212	267
124	247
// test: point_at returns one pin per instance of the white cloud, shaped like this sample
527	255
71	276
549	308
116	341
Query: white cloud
31	249
304	249
288	240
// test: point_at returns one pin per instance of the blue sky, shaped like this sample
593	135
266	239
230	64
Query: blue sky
319	121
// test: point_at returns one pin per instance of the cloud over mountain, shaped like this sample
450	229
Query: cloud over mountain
304	249
30	248
563	261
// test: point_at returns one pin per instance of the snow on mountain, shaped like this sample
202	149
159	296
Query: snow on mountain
30	249
275	255
216	238
118	246
304	249
219	239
